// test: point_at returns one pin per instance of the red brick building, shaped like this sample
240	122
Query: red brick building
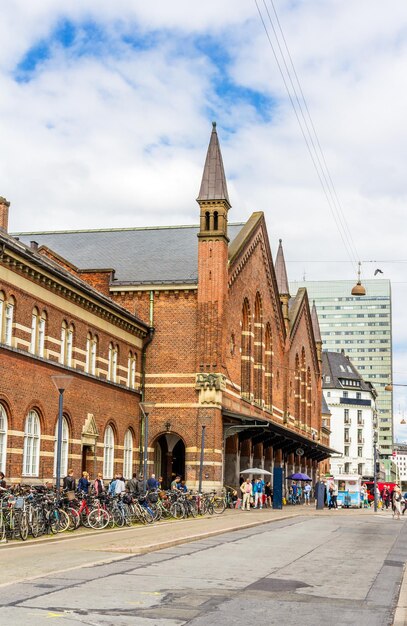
233	354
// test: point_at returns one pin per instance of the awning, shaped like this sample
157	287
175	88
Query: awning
272	434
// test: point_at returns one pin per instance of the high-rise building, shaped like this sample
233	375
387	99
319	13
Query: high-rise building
361	326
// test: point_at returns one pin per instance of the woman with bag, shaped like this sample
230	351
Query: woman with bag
396	502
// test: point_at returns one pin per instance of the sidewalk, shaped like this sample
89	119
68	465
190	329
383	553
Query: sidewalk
61	553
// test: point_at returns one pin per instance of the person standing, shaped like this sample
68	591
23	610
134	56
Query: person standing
152	483
98	486
83	483
3	484
294	490
258	493
307	494
120	486
69	482
247	492
267	492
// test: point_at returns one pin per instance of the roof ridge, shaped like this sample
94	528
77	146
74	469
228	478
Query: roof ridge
107	230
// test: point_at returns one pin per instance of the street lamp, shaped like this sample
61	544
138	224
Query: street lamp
62	383
358	289
143	407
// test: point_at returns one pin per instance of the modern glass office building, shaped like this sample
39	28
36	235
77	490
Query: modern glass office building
361	325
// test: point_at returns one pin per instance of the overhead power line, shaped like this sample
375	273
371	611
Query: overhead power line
298	102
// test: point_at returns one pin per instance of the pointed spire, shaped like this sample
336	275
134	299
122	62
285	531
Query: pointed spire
281	271
315	323
213	185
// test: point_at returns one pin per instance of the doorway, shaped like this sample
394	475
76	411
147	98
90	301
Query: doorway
169	457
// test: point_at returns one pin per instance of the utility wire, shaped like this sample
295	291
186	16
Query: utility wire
317	156
321	152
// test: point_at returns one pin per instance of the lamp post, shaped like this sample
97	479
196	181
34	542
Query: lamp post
144	406
204	420
61	383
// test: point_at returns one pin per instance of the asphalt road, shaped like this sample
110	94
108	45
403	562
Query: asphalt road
335	569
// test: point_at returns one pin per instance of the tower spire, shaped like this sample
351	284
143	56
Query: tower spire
213	185
281	271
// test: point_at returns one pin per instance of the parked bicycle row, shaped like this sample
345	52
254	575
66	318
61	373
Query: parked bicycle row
37	510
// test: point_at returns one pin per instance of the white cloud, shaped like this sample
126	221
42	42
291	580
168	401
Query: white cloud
118	138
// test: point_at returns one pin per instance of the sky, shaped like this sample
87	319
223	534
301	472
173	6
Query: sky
106	111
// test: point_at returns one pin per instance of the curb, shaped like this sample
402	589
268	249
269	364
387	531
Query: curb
400	615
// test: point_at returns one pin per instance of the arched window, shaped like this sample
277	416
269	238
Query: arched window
128	454
8	322
297	387
37	343
131	371
63	342
31	452
246	363
309	399
268	380
3	438
91	352
108	454
303	389
215	220
112	366
258	350
207	220
64	447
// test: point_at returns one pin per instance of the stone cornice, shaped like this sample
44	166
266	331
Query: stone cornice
81	294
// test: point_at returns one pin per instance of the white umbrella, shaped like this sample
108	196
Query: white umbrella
255	470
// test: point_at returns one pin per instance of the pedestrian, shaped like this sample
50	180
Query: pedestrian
299	494
334	496
69	482
397	497
140	483
160	482
176	483
120	486
132	485
152	483
307	493
112	486
83	483
247	491
3	484
386	496
404	503
258	493
294	490
331	487
267	493
98	486
183	486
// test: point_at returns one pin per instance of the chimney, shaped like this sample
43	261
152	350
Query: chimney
4	206
34	245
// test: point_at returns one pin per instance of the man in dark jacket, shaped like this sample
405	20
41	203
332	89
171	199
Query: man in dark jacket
69	482
132	485
152	483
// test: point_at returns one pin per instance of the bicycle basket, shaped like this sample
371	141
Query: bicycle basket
153	498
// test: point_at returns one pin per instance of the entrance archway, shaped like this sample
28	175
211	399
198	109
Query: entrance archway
169	457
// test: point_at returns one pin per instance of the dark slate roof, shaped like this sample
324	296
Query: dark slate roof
156	255
337	366
213	185
281	271
325	407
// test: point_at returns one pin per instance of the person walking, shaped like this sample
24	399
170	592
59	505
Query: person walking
247	492
397	497
152	483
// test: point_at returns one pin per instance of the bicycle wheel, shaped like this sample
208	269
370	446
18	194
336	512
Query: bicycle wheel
23	525
118	518
98	518
59	521
2	527
74	518
34	523
218	505
192	508
177	510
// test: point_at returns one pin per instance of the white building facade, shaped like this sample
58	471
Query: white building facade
352	403
400	459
